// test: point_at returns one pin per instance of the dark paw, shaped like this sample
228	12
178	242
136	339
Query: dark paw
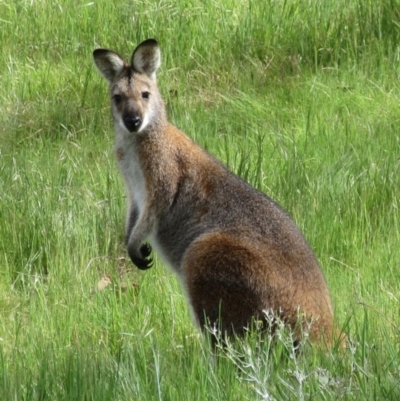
145	250
143	262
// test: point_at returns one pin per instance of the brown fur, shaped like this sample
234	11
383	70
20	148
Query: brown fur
237	253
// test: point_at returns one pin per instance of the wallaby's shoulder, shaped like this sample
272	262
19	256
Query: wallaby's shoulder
188	154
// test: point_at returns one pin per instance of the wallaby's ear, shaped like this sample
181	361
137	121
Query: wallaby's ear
147	58
109	63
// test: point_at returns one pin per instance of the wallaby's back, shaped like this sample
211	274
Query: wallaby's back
238	254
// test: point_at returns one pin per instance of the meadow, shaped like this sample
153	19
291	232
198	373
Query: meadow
300	98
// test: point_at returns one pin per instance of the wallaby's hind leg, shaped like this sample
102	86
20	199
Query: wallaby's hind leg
229	284
221	282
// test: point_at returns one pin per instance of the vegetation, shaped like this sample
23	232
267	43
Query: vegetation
300	98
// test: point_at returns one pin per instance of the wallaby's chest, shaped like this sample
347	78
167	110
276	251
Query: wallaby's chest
132	172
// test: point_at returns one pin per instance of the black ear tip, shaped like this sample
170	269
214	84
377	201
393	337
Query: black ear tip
149	42
99	52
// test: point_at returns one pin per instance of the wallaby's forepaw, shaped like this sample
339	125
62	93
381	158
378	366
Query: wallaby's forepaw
143	262
145	250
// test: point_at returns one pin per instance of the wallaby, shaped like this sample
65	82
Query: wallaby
238	254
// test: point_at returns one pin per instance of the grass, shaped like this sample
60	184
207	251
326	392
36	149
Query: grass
299	98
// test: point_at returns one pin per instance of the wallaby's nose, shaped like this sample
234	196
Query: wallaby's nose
132	123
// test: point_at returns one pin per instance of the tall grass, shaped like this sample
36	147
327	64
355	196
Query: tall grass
300	98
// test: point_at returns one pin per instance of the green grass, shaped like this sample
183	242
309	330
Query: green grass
300	98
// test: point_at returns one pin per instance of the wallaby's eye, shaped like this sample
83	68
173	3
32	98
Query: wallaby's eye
146	95
117	99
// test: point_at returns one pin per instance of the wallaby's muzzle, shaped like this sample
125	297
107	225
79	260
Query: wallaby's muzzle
132	122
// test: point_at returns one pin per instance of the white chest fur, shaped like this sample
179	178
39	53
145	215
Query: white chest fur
131	170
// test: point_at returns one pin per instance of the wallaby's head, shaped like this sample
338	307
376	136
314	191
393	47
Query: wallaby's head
135	100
